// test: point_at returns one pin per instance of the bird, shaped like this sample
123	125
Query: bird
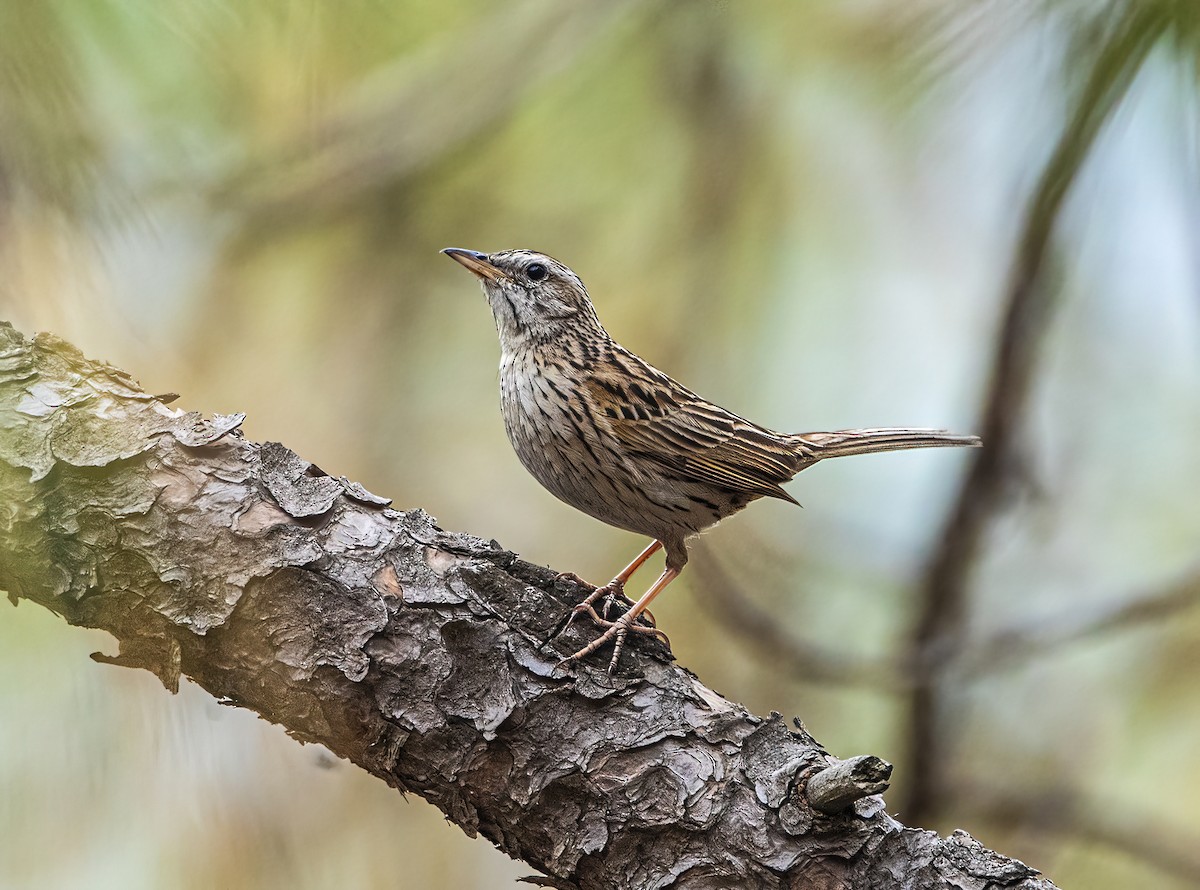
608	433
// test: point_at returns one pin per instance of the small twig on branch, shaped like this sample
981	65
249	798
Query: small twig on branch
837	787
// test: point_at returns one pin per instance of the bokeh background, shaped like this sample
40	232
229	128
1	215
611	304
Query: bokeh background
980	214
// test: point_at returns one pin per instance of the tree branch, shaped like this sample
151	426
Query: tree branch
1028	307
1032	639
771	642
414	652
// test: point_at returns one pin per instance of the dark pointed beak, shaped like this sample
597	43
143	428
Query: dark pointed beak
475	262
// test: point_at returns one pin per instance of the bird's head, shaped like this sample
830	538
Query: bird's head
533	297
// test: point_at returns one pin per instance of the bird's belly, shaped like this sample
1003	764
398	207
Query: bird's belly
575	461
571	457
561	453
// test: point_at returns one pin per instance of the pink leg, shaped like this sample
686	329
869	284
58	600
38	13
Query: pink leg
627	572
611	590
618	583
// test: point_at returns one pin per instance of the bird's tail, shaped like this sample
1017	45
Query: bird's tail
844	443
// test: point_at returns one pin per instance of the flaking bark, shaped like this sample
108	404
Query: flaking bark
414	652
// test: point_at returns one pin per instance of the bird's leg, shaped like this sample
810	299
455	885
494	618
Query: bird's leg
575	579
619	629
616	587
610	592
617	584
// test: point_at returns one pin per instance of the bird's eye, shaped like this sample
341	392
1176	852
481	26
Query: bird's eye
536	272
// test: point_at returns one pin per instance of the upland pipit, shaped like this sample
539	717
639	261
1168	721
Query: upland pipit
623	442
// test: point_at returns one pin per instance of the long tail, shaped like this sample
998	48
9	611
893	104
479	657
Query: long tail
844	443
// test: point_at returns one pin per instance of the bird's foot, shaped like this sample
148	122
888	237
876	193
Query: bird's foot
572	578
616	631
613	595
609	593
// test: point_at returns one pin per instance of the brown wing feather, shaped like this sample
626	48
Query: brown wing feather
659	420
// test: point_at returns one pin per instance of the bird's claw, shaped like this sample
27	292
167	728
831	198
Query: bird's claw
609	591
613	591
572	578
616	631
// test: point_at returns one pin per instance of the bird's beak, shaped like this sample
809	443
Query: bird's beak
475	262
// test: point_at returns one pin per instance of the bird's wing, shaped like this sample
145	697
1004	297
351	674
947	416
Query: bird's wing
654	418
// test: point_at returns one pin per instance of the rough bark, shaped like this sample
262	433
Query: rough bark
414	652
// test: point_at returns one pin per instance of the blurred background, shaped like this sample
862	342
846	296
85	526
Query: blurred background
980	215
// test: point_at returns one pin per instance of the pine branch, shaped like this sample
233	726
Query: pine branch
416	654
